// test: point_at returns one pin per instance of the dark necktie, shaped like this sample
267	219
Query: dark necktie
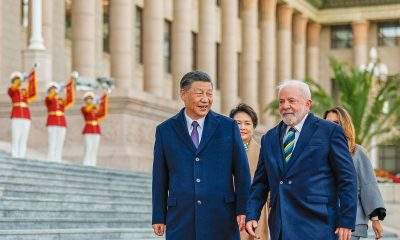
288	145
195	134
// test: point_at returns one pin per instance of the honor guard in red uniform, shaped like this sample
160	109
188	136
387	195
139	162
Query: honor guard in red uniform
20	115
56	122
93	112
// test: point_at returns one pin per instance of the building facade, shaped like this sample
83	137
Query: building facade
247	47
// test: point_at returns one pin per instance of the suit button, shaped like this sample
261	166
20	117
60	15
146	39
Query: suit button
198	202
197	159
290	181
281	182
198	180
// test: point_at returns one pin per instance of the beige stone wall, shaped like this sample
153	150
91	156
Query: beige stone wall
58	51
134	109
388	55
11	40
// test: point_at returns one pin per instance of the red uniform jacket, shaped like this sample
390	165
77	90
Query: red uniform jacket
94	115
19	99
91	120
55	112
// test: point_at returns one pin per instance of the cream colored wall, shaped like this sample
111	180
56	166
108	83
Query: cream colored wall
58	53
11	39
388	55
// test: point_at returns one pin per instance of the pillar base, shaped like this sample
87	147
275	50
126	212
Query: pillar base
43	59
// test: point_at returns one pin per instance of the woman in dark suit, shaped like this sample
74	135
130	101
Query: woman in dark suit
370	204
247	120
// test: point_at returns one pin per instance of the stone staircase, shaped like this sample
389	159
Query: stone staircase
52	201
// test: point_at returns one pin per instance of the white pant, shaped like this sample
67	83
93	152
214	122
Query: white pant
55	143
20	132
92	142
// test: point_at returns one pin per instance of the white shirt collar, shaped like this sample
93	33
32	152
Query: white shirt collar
189	121
299	126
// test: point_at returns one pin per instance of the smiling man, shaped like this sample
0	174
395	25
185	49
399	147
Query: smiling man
201	176
306	166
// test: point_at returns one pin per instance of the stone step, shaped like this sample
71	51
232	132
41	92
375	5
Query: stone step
76	184
143	214
66	223
61	205
70	167
133	183
101	191
80	234
54	201
4	168
83	197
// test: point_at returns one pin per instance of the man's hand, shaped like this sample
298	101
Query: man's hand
343	233
158	229
241	221
377	227
251	228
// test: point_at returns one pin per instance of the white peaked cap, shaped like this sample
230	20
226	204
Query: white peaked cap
53	84
16	74
88	94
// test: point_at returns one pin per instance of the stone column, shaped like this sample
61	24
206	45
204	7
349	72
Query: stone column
36	41
285	13
36	52
83	37
121	27
267	89
206	47
229	58
313	33
181	42
360	42
153	69
250	41
299	47
48	23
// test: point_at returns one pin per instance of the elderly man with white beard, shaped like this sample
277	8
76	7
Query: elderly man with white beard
306	165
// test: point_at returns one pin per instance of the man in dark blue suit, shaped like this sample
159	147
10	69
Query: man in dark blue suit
306	165
201	176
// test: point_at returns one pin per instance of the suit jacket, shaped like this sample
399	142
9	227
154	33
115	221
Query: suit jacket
198	193
306	191
369	195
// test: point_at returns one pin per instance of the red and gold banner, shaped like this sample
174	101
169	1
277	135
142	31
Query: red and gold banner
32	86
70	94
103	110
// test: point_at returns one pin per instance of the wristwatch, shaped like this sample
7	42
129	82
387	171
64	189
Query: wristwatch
376	218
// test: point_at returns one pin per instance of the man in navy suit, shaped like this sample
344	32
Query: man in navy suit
201	176
306	165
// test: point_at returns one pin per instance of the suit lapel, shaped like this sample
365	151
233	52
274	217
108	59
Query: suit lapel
182	131
210	125
308	130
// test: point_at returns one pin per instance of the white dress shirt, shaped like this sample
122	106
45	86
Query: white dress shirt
199	128
298	128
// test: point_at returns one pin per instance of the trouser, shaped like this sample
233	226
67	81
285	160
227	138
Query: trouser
56	143
92	142
20	132
354	238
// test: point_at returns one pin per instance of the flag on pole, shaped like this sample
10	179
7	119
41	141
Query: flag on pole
70	94
32	86
103	110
